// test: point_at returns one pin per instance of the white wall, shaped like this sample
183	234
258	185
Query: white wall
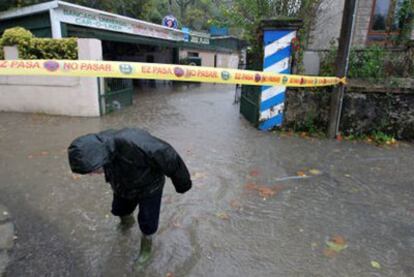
72	96
327	24
225	60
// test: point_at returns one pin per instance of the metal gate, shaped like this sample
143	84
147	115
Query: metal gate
250	103
118	93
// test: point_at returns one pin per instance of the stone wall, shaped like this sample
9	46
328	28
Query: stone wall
364	110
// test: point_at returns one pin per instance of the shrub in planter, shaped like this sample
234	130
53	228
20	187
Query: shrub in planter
38	48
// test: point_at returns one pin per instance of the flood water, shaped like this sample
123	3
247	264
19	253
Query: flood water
262	204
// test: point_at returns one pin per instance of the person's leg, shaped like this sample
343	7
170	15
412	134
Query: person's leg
149	214
148	218
124	208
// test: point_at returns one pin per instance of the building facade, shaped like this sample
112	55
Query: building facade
376	22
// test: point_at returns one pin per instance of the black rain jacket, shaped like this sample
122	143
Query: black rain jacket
134	161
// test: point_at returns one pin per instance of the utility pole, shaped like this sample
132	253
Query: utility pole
342	62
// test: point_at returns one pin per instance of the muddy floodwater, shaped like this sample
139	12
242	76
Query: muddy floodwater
262	204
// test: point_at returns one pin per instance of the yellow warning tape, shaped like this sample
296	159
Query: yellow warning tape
83	68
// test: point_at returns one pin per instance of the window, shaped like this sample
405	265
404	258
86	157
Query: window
192	54
386	23
385	17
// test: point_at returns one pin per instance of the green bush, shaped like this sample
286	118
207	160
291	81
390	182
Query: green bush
365	63
372	63
38	48
16	36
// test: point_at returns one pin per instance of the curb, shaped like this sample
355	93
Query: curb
6	238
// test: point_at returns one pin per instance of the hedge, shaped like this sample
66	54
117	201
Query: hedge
33	48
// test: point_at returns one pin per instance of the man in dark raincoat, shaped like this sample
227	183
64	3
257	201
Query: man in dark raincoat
135	163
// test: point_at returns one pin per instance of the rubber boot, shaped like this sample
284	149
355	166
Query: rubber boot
145	252
127	221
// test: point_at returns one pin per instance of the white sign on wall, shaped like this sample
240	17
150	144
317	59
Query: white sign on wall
112	23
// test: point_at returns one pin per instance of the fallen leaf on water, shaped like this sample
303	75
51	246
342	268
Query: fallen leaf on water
336	244
315	172
235	204
338	240
254	173
75	177
266	192
223	215
250	186
176	224
375	264
198	175
354	190
301	173
329	253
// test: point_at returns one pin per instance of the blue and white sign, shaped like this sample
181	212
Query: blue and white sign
186	32
170	22
217	31
277	59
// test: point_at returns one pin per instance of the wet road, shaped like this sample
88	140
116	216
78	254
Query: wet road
349	213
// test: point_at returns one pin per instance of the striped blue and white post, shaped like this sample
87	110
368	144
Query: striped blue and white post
277	59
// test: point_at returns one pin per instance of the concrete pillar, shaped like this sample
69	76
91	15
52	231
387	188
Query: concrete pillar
311	62
277	44
11	52
90	49
55	24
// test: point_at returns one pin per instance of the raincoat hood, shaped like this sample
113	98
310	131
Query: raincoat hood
88	153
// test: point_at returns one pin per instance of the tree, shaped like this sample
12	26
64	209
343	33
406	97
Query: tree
244	16
183	5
